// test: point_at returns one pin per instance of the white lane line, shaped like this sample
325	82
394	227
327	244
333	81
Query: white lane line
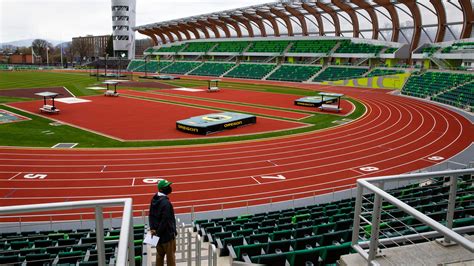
272	163
14	176
103	168
255	180
133	182
358	172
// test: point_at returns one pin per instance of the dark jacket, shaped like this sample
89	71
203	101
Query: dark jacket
162	219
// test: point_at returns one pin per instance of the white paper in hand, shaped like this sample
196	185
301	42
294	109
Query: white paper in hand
151	240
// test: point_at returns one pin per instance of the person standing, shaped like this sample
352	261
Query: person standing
163	224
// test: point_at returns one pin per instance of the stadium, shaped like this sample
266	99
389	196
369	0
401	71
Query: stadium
294	133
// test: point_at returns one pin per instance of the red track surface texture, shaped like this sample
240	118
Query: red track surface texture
396	135
126	118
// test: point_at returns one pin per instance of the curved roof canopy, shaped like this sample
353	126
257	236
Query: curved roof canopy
404	21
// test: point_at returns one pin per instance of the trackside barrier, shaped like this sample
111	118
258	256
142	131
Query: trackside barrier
126	250
212	256
190	247
376	186
198	250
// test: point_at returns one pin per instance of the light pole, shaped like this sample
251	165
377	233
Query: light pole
47	56
146	63
106	55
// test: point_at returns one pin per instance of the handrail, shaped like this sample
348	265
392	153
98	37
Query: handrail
126	232
376	186
420	216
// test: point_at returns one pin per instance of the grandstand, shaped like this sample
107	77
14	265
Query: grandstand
367	191
250	71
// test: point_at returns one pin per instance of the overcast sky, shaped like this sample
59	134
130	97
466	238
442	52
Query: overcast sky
64	19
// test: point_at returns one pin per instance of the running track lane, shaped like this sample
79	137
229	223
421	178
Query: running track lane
396	135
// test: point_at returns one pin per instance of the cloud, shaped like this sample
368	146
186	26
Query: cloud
64	19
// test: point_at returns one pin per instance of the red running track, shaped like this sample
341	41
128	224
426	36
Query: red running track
396	135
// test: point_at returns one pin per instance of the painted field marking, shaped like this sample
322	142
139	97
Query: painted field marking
35	176
255	180
435	158
369	168
65	145
278	177
14	176
103	168
133	182
272	163
151	180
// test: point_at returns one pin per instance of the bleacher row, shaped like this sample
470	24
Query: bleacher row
450	88
323	46
63	247
320	234
453	48
284	72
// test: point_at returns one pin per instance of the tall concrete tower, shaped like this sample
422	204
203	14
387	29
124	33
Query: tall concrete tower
123	19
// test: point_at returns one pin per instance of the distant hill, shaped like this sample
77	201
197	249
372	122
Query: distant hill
27	42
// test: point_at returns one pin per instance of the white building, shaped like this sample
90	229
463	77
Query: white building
123	20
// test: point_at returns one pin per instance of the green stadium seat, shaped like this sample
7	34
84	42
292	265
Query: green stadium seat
38	259
180	67
43	243
308	242
250	71
303	232
271	259
258	238
70	257
332	253
268	47
302	257
250	250
13	259
233	241
336	237
281	235
340	73
297	73
220	235
212	69
275	246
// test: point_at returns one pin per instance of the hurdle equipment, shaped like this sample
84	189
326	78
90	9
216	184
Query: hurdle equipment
212	123
324	101
213	85
110	92
48	108
332	102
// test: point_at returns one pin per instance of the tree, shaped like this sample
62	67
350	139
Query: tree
82	48
110	46
40	47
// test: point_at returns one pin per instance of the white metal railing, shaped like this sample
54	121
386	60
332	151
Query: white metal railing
376	186
126	251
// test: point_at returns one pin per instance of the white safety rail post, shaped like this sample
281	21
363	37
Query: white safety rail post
190	247
198	250
99	231
374	233
451	205
183	240
212	255
178	236
375	186
126	250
